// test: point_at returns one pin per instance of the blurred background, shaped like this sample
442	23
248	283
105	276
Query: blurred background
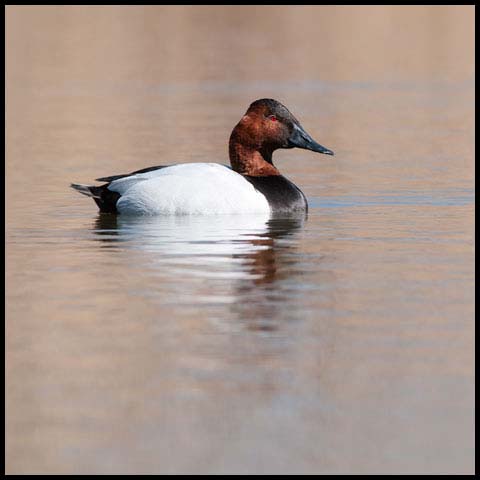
340	343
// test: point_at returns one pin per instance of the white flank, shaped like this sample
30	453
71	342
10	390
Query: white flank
188	189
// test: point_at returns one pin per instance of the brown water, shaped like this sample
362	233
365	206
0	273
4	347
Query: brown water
342	343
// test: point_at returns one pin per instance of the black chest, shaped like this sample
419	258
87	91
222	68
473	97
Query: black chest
282	195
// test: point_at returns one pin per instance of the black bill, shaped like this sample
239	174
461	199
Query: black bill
301	139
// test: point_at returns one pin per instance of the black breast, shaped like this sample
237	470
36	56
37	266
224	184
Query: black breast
282	195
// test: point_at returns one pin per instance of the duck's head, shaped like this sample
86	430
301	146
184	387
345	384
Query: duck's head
266	126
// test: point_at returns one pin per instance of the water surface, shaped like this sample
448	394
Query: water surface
340	342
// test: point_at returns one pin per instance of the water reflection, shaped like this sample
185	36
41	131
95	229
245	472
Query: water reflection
214	247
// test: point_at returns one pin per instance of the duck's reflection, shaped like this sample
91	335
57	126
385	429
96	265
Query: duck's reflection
234	259
250	241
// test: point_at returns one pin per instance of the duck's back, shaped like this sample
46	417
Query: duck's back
187	189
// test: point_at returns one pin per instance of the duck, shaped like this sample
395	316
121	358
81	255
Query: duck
251	184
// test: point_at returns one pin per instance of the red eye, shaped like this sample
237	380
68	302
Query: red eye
273	118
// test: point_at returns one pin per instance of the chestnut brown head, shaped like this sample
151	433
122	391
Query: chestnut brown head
266	126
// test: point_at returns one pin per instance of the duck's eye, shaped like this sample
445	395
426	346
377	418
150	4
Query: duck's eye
273	118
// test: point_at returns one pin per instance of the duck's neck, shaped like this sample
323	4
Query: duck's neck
251	161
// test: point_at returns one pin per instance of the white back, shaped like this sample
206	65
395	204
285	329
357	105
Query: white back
188	189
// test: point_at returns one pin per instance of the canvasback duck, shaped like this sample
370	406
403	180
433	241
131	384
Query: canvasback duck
251	185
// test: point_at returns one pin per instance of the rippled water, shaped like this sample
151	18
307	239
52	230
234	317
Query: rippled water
338	342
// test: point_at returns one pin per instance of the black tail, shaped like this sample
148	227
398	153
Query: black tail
87	190
103	197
